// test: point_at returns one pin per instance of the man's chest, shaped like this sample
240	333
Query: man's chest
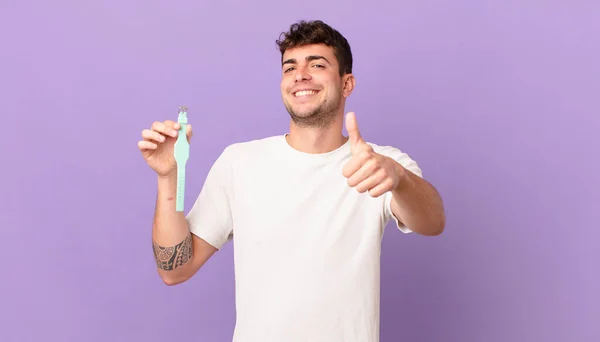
302	206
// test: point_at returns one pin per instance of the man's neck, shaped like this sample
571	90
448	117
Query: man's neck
316	140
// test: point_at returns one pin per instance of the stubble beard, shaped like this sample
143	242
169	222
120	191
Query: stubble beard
320	117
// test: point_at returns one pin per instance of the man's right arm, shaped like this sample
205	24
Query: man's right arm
178	253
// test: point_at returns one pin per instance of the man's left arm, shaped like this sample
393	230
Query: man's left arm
416	203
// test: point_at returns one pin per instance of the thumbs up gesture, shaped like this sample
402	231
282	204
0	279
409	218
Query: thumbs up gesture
368	170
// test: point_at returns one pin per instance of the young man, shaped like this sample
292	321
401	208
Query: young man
307	209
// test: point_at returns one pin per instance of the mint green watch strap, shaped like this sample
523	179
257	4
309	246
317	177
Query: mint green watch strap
180	187
181	154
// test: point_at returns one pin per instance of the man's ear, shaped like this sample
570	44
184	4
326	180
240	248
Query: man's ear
349	82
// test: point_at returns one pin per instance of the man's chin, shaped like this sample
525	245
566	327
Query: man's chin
303	111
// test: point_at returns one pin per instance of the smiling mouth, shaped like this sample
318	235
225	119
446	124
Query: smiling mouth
302	93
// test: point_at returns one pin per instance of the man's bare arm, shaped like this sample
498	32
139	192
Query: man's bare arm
418	205
178	253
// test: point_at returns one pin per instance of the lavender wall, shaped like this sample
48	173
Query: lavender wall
497	101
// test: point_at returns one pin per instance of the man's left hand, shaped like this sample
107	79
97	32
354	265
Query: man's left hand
368	170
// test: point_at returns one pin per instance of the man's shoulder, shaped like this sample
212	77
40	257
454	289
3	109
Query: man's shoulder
386	150
240	153
253	146
243	150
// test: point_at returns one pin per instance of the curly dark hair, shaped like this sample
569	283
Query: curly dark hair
317	32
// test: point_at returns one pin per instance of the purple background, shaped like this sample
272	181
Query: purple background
497	100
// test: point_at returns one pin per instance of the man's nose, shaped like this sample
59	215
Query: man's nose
302	74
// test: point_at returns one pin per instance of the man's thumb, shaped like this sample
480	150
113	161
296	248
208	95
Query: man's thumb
352	128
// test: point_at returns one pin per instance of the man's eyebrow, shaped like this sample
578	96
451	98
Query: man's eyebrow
289	61
308	58
315	57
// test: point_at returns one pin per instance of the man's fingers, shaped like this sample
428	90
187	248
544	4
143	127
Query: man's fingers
355	163
358	161
166	128
188	128
188	131
366	184
375	182
380	188
151	135
366	170
351	167
159	130
144	145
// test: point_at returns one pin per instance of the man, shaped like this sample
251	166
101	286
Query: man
307	209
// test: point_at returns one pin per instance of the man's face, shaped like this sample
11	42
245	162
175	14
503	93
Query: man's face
311	86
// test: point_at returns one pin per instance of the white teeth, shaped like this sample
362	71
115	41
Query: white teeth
305	93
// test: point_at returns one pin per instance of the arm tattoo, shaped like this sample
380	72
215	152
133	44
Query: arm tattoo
169	258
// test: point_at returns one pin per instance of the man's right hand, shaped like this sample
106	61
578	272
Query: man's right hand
157	146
